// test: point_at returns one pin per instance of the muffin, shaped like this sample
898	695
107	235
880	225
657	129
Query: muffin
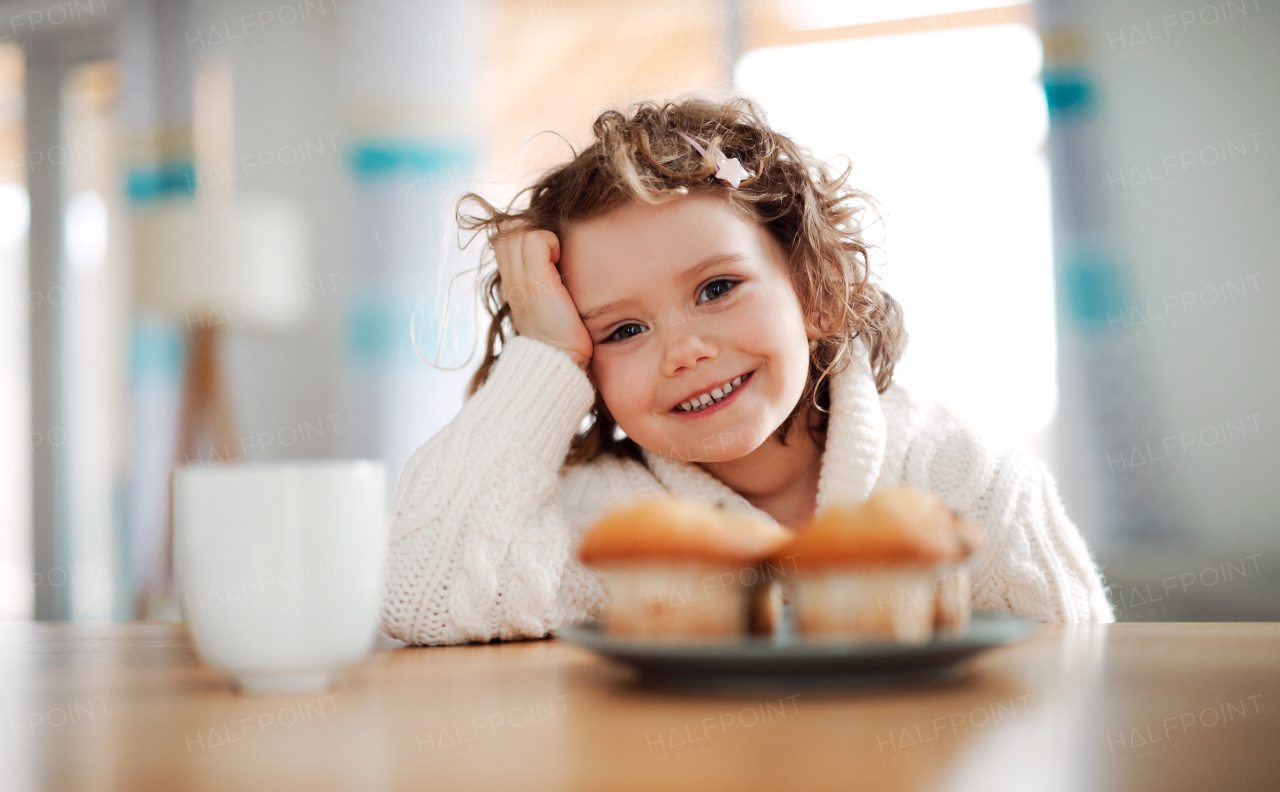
678	567
888	569
953	587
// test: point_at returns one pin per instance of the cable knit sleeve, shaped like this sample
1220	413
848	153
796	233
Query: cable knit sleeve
478	539
1036	563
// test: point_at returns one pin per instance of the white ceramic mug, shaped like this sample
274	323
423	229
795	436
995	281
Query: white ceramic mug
279	567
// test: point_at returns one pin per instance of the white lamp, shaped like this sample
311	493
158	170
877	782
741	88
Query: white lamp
239	266
212	267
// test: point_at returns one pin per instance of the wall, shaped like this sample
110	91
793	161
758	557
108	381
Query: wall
1187	125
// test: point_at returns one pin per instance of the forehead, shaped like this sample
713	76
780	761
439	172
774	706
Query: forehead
642	240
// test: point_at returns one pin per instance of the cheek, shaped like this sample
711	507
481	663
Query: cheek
773	326
624	385
768	320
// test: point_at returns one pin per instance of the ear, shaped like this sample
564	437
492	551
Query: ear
818	324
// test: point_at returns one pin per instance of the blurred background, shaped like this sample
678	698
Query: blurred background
226	234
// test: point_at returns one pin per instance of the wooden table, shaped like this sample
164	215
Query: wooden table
1128	706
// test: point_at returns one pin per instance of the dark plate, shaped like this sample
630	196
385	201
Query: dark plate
788	659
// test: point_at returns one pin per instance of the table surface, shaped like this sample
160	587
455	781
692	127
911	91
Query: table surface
1126	706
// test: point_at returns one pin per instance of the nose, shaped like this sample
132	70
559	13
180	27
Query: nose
683	350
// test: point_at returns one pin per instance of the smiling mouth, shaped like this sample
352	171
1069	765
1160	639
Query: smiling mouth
708	400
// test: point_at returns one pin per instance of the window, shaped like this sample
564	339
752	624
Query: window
947	130
15	376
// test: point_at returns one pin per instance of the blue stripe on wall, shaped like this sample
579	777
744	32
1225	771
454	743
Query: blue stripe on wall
1094	291
1068	92
167	180
376	327
379	159
155	350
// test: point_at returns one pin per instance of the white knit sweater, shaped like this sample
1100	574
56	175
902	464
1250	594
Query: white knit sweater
485	520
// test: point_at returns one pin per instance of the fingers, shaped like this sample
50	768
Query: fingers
527	258
540	303
509	251
539	247
553	246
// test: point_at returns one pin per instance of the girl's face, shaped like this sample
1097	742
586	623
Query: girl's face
681	299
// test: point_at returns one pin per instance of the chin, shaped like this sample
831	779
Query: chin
735	445
726	456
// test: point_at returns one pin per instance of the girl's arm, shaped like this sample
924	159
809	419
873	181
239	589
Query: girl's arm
478	540
1035	563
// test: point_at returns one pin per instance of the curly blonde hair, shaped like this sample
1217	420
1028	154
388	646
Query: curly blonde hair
801	201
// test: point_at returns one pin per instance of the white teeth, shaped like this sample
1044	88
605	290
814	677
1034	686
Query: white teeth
701	401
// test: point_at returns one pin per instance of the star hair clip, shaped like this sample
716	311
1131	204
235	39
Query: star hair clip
730	170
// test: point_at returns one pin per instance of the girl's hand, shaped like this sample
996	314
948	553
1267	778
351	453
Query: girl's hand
541	307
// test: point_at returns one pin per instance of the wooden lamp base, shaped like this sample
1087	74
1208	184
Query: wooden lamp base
206	412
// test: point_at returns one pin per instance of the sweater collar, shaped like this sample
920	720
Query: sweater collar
851	463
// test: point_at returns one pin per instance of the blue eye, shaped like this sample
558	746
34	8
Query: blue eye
713	284
615	337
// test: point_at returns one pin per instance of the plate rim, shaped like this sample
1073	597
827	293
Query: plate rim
1012	628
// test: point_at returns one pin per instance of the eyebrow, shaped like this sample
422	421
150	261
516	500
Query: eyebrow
688	275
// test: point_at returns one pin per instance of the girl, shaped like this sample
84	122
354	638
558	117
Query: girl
700	319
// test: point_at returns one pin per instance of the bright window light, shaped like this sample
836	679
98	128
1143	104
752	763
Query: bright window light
816	14
15	212
85	230
16	591
947	130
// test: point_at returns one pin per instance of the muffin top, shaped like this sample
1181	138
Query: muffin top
662	527
900	527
